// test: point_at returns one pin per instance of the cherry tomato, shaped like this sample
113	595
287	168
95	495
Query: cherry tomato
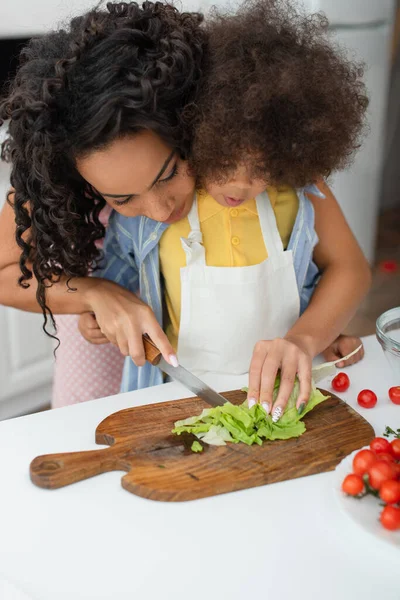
396	467
394	394
379	472
390	492
362	461
379	445
386	457
353	485
341	382
367	399
390	518
395	445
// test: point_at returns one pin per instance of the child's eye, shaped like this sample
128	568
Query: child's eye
171	175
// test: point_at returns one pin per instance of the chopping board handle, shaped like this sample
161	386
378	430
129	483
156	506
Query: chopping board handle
52	471
151	351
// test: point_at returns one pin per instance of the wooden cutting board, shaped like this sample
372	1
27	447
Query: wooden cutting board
160	467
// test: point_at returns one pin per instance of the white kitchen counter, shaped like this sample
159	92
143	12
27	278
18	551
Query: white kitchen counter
94	540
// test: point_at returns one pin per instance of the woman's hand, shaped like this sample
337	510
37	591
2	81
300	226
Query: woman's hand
342	346
292	358
90	330
123	319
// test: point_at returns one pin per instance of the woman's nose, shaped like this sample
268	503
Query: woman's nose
160	208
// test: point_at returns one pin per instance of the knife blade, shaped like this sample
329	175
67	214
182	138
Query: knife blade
194	384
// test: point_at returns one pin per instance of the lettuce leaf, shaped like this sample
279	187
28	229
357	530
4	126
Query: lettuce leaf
196	447
234	424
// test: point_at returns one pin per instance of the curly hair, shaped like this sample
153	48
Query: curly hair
277	94
110	73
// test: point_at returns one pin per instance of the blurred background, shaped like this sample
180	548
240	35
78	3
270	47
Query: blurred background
368	192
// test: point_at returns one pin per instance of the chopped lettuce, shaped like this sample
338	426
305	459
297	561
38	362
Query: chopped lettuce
196	447
231	423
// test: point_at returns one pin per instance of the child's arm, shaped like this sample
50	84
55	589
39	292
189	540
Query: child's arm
121	315
345	279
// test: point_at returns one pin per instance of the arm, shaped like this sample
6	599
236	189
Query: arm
345	279
120	314
12	294
344	282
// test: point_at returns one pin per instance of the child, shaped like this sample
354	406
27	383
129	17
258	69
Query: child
280	109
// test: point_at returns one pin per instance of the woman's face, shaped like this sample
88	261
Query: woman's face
140	175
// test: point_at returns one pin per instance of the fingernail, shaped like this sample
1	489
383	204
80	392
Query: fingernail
301	408
251	402
276	415
173	359
266	407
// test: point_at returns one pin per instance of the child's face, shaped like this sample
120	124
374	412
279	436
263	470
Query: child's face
237	189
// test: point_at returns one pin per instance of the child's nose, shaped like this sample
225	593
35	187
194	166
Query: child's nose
242	180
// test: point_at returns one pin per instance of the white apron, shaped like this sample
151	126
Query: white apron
225	311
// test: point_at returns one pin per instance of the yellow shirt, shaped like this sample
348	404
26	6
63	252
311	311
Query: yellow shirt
232	237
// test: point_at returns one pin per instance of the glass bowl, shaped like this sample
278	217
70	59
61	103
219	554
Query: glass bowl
388	334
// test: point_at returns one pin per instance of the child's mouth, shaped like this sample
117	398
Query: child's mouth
233	201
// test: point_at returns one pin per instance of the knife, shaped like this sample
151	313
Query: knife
186	378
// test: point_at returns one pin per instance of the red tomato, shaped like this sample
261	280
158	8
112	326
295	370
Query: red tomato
362	461
353	485
341	382
396	467
386	457
367	399
379	445
390	518
394	394
395	445
390	492
379	472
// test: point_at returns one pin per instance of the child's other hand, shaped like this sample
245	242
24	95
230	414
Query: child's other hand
291	358
342	346
90	330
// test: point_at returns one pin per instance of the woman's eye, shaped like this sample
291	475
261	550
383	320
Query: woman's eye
122	202
171	175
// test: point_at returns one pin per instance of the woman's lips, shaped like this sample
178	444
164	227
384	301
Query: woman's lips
233	201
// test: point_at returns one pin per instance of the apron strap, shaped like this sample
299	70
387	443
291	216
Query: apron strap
193	244
269	228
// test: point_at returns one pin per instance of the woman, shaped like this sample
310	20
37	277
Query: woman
110	75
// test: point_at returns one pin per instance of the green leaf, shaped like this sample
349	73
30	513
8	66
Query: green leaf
234	424
196	447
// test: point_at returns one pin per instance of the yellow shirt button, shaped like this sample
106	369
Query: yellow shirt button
235	241
234	212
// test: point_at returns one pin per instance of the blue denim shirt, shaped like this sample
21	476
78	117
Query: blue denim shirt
131	258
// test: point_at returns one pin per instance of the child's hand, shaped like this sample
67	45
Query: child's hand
90	330
342	346
291	358
123	319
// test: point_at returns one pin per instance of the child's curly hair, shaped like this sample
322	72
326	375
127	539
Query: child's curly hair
110	73
277	95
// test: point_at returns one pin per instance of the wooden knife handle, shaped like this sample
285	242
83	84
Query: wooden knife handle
152	353
52	471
